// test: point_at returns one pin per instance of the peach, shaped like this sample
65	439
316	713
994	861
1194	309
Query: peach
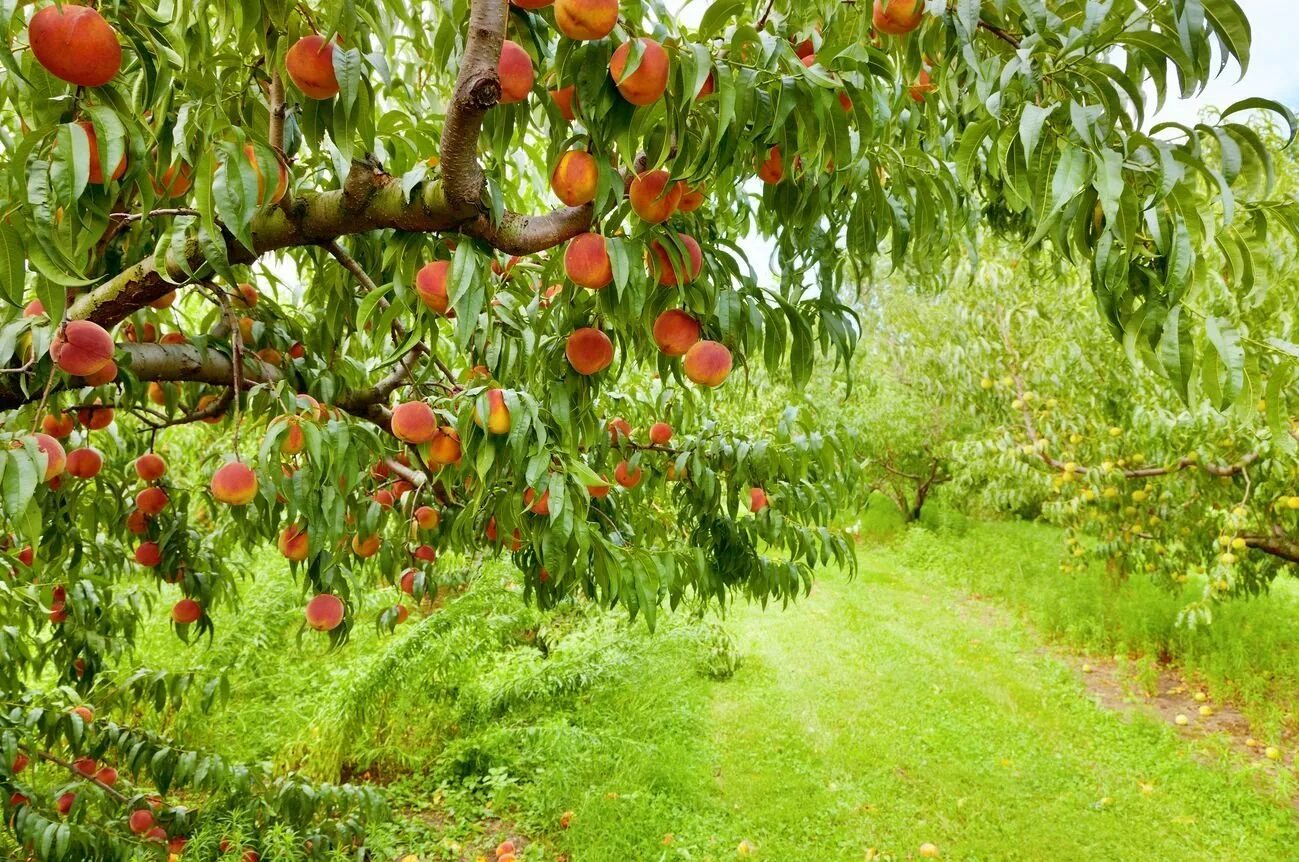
140	821
167	300
207	402
538	505
157	393
516	73
498	414
586	261
586	19
55	458
85	765
707	88
565	99
152	501
674	267
414	422
186	611
403	613
627	476
898	17
384	498
922	87
248	296
654	197
85	463
148	554
589	351
173	338
58	425
804	48
444	448
365	546
293	543
599	492
310	64
772	171
431	285
660	433
85	713
65	802
234	484
176	181
427	518
35	308
707	363
150	467
675	332
575	178
325	612
82	348
281	182
757	500
106	775
20	763
691	199
95	172
618	429
425	553
294	440
107	374
75	44
647	83
137	523
406	583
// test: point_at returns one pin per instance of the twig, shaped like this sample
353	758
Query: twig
1001	34
276	132
159	213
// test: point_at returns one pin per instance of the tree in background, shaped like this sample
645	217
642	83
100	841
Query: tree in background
418	305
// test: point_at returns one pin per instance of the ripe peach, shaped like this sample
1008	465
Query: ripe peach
35	308
772	171
922	87
137	523
403	613
310	63
444	448
58	425
516	73
647	83
599	492
575	178
660	433
85	463
140	821
294	440
95	172
293	543
586	261
281	182
707	363
365	547
675	332
157	393
148	554
248	296
425	553
565	98
173	338
431	285
427	518
406	583
65	802
537	505
707	88
654	197
151	501
589	351
384	498
150	467
20	763
804	48
176	181
234	484
107	374
325	612
691	199
206	403
675	268
414	422
898	17
85	766
586	19
106	775
85	713
55	458
186	611
627	476
75	44
618	429
498	414
82	348
505	847
95	418
757	500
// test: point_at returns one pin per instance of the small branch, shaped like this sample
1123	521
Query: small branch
415	477
159	213
276	131
1012	41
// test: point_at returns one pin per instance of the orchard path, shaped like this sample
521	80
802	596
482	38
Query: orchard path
893	710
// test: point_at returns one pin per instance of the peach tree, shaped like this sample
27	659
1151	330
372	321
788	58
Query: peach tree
459	276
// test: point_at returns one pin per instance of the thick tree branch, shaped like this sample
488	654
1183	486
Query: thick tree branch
478	90
1278	545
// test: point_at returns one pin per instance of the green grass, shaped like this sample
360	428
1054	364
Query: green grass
880	712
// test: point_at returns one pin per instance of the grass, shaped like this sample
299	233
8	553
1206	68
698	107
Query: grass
882	712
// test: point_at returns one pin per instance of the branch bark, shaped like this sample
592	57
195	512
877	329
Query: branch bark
478	90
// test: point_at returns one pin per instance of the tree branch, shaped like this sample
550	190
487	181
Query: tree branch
478	90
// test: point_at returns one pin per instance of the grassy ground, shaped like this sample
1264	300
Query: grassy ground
879	713
893	711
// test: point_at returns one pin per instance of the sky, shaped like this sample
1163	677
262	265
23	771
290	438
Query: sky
1273	73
